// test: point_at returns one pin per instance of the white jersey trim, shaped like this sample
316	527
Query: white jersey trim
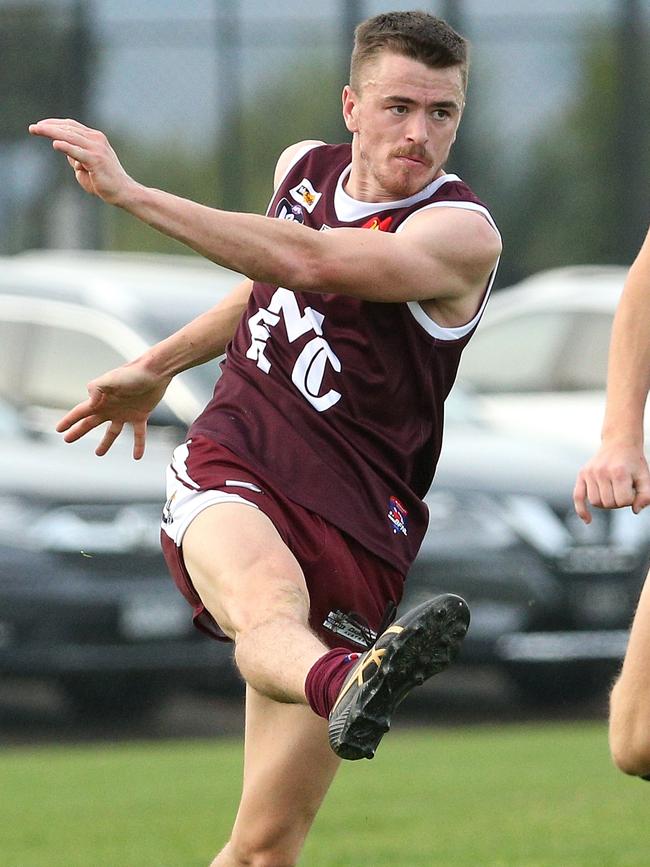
419	314
296	159
348	210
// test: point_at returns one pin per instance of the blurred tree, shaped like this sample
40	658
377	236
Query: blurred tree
186	173
574	202
304	105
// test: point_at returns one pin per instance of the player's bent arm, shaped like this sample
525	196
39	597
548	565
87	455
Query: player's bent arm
128	394
629	719
628	376
618	473
201	340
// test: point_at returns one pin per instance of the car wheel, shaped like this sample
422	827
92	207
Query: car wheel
114	698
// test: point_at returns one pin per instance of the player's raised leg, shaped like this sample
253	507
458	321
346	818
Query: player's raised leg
288	768
255	589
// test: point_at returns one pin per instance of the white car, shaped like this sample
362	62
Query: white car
539	358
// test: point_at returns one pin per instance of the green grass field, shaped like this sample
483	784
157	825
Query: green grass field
516	795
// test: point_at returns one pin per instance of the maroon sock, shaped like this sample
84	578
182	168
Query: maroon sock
326	677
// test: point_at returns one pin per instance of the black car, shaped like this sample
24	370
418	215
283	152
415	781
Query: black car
551	599
85	597
84	593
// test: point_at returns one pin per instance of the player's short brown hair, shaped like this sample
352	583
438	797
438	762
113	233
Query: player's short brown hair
414	34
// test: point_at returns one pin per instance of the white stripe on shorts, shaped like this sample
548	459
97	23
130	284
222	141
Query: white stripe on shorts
184	504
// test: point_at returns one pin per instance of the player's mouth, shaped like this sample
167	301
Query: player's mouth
412	160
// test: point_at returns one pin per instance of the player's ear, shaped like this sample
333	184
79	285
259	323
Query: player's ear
350	104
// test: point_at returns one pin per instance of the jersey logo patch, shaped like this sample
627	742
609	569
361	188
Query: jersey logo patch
305	194
377	224
286	211
397	515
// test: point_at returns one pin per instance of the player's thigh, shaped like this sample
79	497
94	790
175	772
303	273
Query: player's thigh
288	768
241	567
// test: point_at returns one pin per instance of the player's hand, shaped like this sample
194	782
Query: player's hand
616	476
95	163
126	395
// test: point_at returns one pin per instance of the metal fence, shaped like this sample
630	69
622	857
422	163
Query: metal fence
184	78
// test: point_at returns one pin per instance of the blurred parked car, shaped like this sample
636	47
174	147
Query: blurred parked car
85	598
84	593
551	599
539	358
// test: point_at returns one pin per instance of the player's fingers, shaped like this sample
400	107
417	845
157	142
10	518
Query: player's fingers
112	432
622	490
75	432
642	487
49	125
82	410
580	503
139	439
604	496
76	165
85	409
72	151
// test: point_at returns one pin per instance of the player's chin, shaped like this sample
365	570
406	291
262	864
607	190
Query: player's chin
402	187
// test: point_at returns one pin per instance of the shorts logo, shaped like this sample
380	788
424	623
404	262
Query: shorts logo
286	211
377	224
306	195
397	515
167	517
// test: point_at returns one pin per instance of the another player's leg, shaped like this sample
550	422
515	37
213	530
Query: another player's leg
629	716
288	768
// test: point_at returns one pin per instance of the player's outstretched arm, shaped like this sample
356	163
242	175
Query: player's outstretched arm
618	474
445	253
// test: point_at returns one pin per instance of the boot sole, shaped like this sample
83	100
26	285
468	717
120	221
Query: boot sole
426	646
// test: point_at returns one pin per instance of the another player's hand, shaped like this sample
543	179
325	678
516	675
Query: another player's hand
616	476
126	395
95	163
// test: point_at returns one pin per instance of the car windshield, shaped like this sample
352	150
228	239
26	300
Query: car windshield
559	350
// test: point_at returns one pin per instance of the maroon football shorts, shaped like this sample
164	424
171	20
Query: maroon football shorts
343	578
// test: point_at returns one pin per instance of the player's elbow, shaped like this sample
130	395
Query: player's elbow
629	732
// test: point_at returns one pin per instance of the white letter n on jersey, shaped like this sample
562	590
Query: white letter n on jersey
309	370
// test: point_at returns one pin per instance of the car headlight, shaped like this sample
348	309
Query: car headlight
455	518
86	528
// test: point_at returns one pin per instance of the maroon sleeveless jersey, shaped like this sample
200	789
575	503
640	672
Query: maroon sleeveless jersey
336	399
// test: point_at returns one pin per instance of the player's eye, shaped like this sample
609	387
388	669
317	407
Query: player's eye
398	109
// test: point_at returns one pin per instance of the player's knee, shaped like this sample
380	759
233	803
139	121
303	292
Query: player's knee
630	752
249	852
273	844
283	601
629	741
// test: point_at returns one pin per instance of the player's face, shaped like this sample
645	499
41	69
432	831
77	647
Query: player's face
404	119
